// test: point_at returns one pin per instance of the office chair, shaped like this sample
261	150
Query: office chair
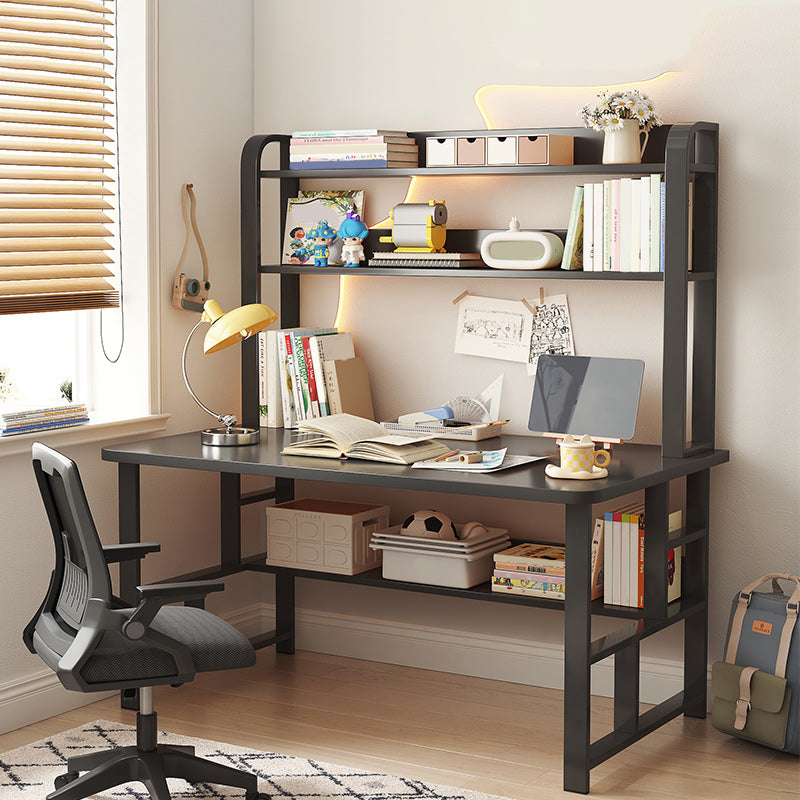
94	643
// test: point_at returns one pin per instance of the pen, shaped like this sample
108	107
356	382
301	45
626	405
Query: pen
499	422
446	455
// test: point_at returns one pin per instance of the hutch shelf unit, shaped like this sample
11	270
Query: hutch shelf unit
684	154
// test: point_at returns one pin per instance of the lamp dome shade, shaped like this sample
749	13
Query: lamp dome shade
236	325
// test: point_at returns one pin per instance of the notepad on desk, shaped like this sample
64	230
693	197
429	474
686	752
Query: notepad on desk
348	436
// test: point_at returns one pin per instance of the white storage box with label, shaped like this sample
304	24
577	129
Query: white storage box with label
460	564
324	535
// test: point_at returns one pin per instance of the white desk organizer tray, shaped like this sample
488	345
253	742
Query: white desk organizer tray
460	564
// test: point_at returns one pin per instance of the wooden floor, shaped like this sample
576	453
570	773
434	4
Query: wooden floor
499	738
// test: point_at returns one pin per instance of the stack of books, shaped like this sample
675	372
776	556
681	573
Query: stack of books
43	419
309	373
617	225
624	557
352	149
539	570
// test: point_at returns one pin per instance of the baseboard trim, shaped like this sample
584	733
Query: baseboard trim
461	652
36	697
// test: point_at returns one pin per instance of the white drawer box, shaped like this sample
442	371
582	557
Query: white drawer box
501	150
324	535
440	152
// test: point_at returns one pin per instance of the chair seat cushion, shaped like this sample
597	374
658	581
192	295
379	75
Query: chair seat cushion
213	643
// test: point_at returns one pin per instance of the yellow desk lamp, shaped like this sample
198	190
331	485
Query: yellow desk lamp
225	330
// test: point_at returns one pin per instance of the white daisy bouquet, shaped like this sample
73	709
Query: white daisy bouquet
614	107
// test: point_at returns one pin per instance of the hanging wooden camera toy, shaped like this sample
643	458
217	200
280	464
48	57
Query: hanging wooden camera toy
189	294
418	227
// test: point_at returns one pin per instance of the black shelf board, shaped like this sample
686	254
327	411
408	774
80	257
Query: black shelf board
480	272
481	592
516	169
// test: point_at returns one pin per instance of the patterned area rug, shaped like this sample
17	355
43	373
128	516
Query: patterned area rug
27	773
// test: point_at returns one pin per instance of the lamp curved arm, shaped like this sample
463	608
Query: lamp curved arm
229	420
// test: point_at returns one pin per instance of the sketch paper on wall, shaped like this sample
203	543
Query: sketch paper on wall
494	328
552	330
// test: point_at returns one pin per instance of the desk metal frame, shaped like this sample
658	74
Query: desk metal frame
634	468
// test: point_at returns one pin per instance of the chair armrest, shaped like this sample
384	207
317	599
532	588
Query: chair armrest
156	595
115	553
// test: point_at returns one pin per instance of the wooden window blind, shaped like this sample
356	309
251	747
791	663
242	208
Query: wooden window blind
56	133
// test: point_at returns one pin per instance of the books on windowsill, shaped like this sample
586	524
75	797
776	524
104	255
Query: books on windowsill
46	418
348	436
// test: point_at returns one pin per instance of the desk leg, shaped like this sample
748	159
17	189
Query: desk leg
284	610
577	640
695	585
230	522
130	572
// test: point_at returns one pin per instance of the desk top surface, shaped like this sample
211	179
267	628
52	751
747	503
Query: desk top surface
632	467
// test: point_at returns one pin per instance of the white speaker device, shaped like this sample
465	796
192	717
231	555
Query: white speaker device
517	249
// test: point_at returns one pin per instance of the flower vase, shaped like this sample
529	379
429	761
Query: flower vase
622	146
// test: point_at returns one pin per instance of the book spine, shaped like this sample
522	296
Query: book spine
599	227
552	594
625	226
655	221
633	557
312	384
607	217
37	418
346	132
332	387
372	155
531	561
575	218
615	232
301	152
625	560
274	396
530	581
608	554
262	379
315	346
662	229
303	397
43	413
597	560
644	244
44	426
588	227
342	140
507	565
287	389
376	163
636	226
640	564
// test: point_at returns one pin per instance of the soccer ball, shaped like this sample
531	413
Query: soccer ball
428	524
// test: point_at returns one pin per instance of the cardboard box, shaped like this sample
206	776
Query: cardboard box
324	535
471	151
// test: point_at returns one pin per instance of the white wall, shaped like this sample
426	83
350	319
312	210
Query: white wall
416	67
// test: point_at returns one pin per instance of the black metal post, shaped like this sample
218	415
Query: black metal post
577	640
284	610
230	522
695	586
626	689
656	510
130	571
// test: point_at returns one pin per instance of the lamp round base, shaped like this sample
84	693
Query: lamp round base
229	437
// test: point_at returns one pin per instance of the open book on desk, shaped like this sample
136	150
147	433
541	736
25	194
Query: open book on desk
348	436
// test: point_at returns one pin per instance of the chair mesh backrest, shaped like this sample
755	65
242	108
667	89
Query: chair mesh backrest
82	567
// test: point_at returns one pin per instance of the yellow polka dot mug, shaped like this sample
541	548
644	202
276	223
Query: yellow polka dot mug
579	455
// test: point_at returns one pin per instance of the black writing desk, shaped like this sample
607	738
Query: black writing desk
633	468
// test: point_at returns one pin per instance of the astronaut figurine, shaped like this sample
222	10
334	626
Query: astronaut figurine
321	237
352	232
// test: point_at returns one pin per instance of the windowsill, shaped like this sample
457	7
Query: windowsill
100	428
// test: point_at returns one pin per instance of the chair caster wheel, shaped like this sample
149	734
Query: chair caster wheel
62	780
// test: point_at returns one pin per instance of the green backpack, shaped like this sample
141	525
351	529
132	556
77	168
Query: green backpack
757	688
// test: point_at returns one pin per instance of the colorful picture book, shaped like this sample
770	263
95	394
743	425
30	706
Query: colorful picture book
306	210
539	570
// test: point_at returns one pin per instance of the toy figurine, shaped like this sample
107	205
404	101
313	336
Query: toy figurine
321	237
352	232
297	243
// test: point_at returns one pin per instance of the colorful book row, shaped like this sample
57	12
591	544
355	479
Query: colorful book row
307	373
352	152
617	225
624	557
